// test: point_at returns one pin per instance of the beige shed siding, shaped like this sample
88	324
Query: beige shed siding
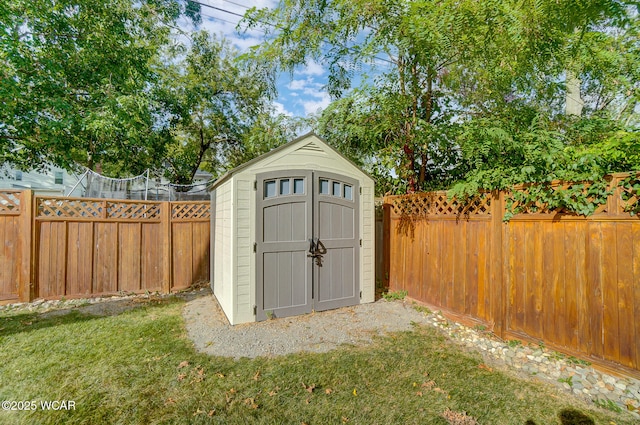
244	250
367	214
222	271
235	268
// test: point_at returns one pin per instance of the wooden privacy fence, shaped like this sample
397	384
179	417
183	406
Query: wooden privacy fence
56	247
572	282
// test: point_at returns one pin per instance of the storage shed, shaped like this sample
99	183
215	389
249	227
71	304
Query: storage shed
292	232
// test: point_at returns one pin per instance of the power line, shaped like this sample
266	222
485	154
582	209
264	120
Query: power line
272	25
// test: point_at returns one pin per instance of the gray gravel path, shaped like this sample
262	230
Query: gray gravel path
211	333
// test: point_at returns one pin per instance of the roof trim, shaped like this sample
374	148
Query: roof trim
226	176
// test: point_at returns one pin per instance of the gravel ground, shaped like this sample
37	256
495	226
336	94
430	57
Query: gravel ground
211	333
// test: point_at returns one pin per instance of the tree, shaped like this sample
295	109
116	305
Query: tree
447	64
212	100
75	82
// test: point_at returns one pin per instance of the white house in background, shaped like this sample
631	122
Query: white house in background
55	181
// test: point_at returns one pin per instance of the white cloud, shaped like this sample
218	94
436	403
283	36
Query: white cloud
279	108
312	68
311	106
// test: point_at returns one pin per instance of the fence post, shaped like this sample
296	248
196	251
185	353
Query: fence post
497	292
386	242
165	219
26	243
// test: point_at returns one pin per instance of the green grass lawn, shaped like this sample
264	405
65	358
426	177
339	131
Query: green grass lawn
138	367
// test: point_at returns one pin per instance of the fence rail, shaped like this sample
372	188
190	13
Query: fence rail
56	247
572	282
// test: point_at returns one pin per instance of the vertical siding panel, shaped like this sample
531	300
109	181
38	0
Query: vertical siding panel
626	321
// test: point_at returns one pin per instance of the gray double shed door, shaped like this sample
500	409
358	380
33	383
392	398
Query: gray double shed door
302	213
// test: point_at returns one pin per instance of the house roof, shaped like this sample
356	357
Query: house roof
226	176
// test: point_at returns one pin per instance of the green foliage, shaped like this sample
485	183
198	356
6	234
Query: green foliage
568	380
513	343
469	94
75	79
605	403
395	295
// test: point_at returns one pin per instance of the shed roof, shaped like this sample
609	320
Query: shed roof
300	140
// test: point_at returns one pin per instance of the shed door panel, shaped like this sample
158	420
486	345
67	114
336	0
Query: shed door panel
294	206
283	284
336	201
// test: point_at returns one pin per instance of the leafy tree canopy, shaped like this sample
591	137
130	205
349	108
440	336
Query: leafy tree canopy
468	91
75	81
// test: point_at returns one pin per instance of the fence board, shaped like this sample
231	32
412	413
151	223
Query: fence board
9	263
611	340
80	259
570	281
570	264
626	320
636	291
129	261
151	270
593	333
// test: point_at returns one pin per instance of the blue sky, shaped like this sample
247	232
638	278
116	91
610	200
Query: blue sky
298	95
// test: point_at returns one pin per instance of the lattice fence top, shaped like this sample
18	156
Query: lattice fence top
629	192
544	208
438	203
61	208
190	211
9	203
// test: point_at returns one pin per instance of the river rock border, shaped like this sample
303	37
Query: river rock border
536	361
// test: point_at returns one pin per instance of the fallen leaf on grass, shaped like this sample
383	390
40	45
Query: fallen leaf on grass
355	392
251	402
198	412
419	393
328	391
429	384
183	364
211	412
220	375
309	388
345	419
274	391
181	376
256	376
169	401
485	367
